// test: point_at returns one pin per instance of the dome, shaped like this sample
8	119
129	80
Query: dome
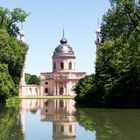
63	49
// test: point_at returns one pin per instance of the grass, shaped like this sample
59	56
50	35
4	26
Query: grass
47	97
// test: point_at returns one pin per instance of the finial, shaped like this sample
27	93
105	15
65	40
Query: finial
98	26
63	31
98	22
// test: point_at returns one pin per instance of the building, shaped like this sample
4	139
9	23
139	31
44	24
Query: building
61	80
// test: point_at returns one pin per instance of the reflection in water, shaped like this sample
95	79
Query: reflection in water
58	120
111	124
10	127
59	112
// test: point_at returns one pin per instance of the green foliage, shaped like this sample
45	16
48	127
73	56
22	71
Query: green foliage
27	77
9	20
32	79
7	86
12	51
87	92
13	101
121	20
117	79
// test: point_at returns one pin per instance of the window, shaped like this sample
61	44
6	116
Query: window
62	65
54	66
30	91
36	91
70	128
46	90
62	129
61	90
70	65
46	83
54	128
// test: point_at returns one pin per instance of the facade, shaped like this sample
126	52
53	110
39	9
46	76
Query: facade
61	80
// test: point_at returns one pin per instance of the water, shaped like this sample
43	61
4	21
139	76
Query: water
60	120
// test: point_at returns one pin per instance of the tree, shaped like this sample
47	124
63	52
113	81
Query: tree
34	80
83	88
117	78
7	86
12	50
119	54
27	77
121	20
9	20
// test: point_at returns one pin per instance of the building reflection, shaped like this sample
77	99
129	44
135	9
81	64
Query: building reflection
59	112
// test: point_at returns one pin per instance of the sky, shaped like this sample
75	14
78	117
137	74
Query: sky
44	26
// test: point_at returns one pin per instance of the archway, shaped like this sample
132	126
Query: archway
61	91
45	91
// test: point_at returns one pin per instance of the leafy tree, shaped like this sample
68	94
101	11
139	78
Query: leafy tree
119	54
7	86
87	92
9	19
117	78
12	50
27	77
34	80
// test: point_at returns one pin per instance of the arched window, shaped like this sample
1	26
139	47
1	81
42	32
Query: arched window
36	90
46	90
70	128
62	65
61	91
30	91
46	83
62	128
70	65
54	66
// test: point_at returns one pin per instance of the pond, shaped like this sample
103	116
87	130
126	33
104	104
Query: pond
60	120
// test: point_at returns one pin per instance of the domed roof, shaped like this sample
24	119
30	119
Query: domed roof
63	49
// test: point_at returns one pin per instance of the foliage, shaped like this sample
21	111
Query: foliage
7	86
87	92
117	78
32	79
13	102
27	77
12	51
9	20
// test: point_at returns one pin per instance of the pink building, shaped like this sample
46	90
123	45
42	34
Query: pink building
61	80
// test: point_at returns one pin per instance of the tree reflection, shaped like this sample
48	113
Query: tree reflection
111	124
10	127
